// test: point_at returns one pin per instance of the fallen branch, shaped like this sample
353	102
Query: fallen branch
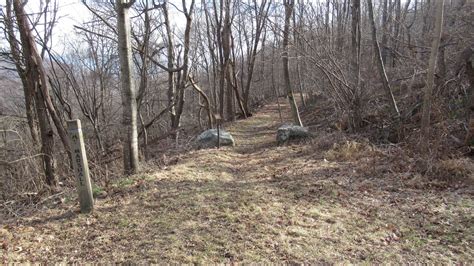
9	163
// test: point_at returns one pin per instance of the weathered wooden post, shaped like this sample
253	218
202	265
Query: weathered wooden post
81	168
218	122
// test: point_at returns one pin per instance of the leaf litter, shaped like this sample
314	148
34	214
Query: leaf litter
304	202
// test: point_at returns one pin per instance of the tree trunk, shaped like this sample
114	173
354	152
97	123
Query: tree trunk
356	116
213	61
298	68
233	82
226	49
261	13
47	140
171	74
396	37
341	11
274	87
380	64
229	95
326	23
145	137
442	60
28	92
129	101
289	4
425	118
206	102
184	74
37	72
469	59
384	50
35	78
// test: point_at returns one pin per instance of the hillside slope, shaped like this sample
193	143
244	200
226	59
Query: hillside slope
310	202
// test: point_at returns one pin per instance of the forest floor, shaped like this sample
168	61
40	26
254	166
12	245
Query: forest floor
304	202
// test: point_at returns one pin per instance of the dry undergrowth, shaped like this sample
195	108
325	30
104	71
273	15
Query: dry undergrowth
258	202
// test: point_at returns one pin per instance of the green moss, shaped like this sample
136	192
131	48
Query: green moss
125	182
124	223
415	241
96	190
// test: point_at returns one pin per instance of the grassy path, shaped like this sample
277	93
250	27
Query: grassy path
256	202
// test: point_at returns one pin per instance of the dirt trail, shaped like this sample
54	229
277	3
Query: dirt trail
256	202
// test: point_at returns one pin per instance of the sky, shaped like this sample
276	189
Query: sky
73	12
70	13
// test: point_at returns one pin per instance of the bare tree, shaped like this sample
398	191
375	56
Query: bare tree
384	43
468	56
289	5
184	73
355	64
171	74
260	13
298	29
425	119
129	99
380	63
36	80
226	46
16	57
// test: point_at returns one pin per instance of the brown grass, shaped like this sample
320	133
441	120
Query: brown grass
259	202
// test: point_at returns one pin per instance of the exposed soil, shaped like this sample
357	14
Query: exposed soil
329	199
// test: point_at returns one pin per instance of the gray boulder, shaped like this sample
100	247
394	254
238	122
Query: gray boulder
287	132
208	139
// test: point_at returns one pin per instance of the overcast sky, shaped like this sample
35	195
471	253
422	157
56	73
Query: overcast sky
70	13
73	12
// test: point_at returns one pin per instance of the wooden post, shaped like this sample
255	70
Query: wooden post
81	168
217	117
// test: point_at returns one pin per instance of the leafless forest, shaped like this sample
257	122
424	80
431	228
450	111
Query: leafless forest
384	85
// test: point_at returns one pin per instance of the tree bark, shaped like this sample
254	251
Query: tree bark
380	64
171	74
183	75
47	139
289	5
356	116
469	60
206	101
38	72
396	37
37	84
274	87
384	50
226	49
28	92
261	13
441	62
298	67
129	101
425	118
